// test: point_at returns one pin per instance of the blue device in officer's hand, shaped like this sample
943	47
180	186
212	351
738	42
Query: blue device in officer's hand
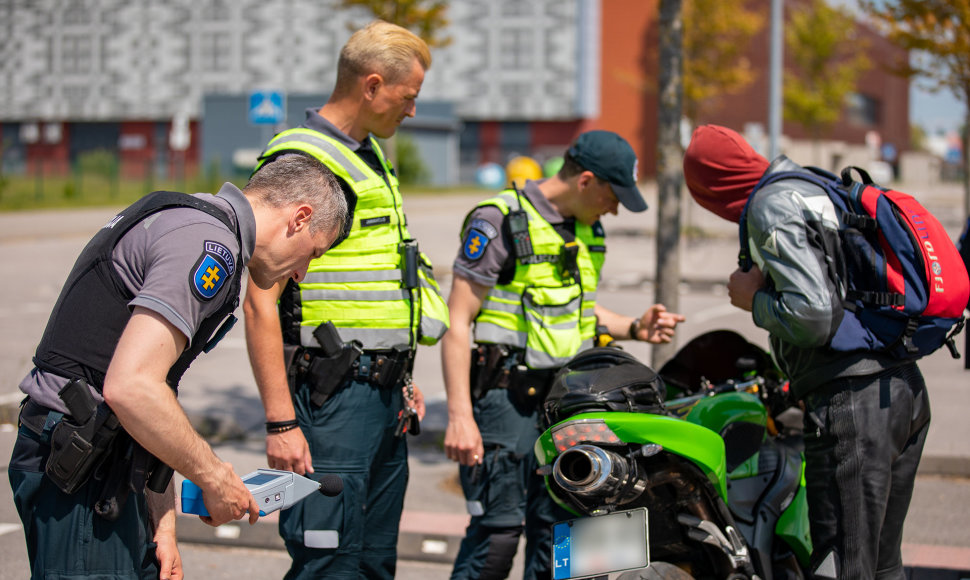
273	489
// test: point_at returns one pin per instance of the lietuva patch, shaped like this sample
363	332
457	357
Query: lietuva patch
215	266
484	227
474	245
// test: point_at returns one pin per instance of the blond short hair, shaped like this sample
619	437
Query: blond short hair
383	48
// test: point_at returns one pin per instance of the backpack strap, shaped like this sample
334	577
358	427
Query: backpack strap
876	298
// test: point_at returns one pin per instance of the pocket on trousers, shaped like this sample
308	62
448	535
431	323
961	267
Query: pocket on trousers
504	494
320	522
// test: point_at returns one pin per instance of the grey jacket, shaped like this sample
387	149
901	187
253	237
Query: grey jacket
790	222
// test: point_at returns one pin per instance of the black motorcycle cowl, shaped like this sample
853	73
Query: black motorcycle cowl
607	379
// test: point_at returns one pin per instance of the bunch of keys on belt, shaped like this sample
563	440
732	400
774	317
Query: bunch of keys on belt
407	418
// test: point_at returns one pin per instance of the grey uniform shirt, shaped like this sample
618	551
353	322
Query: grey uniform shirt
157	259
483	265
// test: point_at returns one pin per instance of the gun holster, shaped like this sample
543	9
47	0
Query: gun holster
82	440
492	368
90	442
326	373
323	369
497	367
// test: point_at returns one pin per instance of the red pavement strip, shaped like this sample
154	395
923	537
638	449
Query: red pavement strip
947	557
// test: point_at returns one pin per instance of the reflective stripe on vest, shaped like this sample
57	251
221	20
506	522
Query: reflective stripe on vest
357	285
542	310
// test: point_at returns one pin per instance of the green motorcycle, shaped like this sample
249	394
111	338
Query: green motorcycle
689	473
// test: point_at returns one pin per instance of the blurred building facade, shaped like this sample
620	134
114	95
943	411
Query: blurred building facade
141	78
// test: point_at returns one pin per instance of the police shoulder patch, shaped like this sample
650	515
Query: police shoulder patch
213	268
474	244
484	227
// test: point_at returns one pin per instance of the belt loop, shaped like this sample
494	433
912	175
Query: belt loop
53	418
363	371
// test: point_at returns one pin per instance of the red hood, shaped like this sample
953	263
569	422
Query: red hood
721	169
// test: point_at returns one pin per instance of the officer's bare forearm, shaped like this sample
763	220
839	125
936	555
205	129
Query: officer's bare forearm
618	325
135	388
152	416
455	365
464	303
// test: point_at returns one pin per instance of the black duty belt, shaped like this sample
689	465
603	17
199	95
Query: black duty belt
324	374
38	419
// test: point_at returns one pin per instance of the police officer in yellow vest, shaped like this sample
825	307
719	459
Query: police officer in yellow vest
525	278
350	328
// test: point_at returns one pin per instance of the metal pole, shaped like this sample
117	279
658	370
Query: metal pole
776	52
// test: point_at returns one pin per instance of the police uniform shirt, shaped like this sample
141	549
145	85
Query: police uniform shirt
486	249
170	262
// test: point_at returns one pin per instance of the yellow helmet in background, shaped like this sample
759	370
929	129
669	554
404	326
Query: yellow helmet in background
521	168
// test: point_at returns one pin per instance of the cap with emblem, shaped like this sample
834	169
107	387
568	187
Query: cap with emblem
611	159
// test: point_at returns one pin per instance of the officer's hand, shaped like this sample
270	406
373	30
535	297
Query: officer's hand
289	451
167	554
742	287
463	441
657	325
228	499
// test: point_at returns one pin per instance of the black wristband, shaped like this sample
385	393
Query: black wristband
281	426
634	327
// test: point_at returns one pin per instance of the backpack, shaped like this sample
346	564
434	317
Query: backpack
604	378
905	284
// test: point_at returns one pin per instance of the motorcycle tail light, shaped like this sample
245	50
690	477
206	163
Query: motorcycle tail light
571	434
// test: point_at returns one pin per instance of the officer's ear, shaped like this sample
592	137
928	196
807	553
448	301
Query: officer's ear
300	219
584	179
372	83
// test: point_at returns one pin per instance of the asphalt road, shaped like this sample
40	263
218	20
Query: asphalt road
38	249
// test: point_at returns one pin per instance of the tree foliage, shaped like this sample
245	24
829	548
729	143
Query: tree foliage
716	38
426	18
939	29
827	59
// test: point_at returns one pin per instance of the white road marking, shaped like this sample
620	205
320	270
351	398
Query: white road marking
7	528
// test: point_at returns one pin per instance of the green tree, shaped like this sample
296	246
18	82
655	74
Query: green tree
426	18
716	38
940	30
827	59
411	169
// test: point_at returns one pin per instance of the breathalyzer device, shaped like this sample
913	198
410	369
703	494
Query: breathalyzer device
273	489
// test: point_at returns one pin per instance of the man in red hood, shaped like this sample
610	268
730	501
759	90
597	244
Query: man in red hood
866	412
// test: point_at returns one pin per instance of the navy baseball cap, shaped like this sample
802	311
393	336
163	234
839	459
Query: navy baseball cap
611	159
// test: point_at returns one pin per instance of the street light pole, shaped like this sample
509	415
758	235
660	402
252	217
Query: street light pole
776	52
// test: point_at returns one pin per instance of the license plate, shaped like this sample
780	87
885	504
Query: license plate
600	544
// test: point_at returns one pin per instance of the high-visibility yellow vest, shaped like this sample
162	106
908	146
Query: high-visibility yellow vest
544	310
359	285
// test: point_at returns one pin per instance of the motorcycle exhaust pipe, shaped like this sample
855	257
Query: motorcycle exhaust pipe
591	471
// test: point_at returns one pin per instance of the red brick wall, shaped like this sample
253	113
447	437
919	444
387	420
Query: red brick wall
628	63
